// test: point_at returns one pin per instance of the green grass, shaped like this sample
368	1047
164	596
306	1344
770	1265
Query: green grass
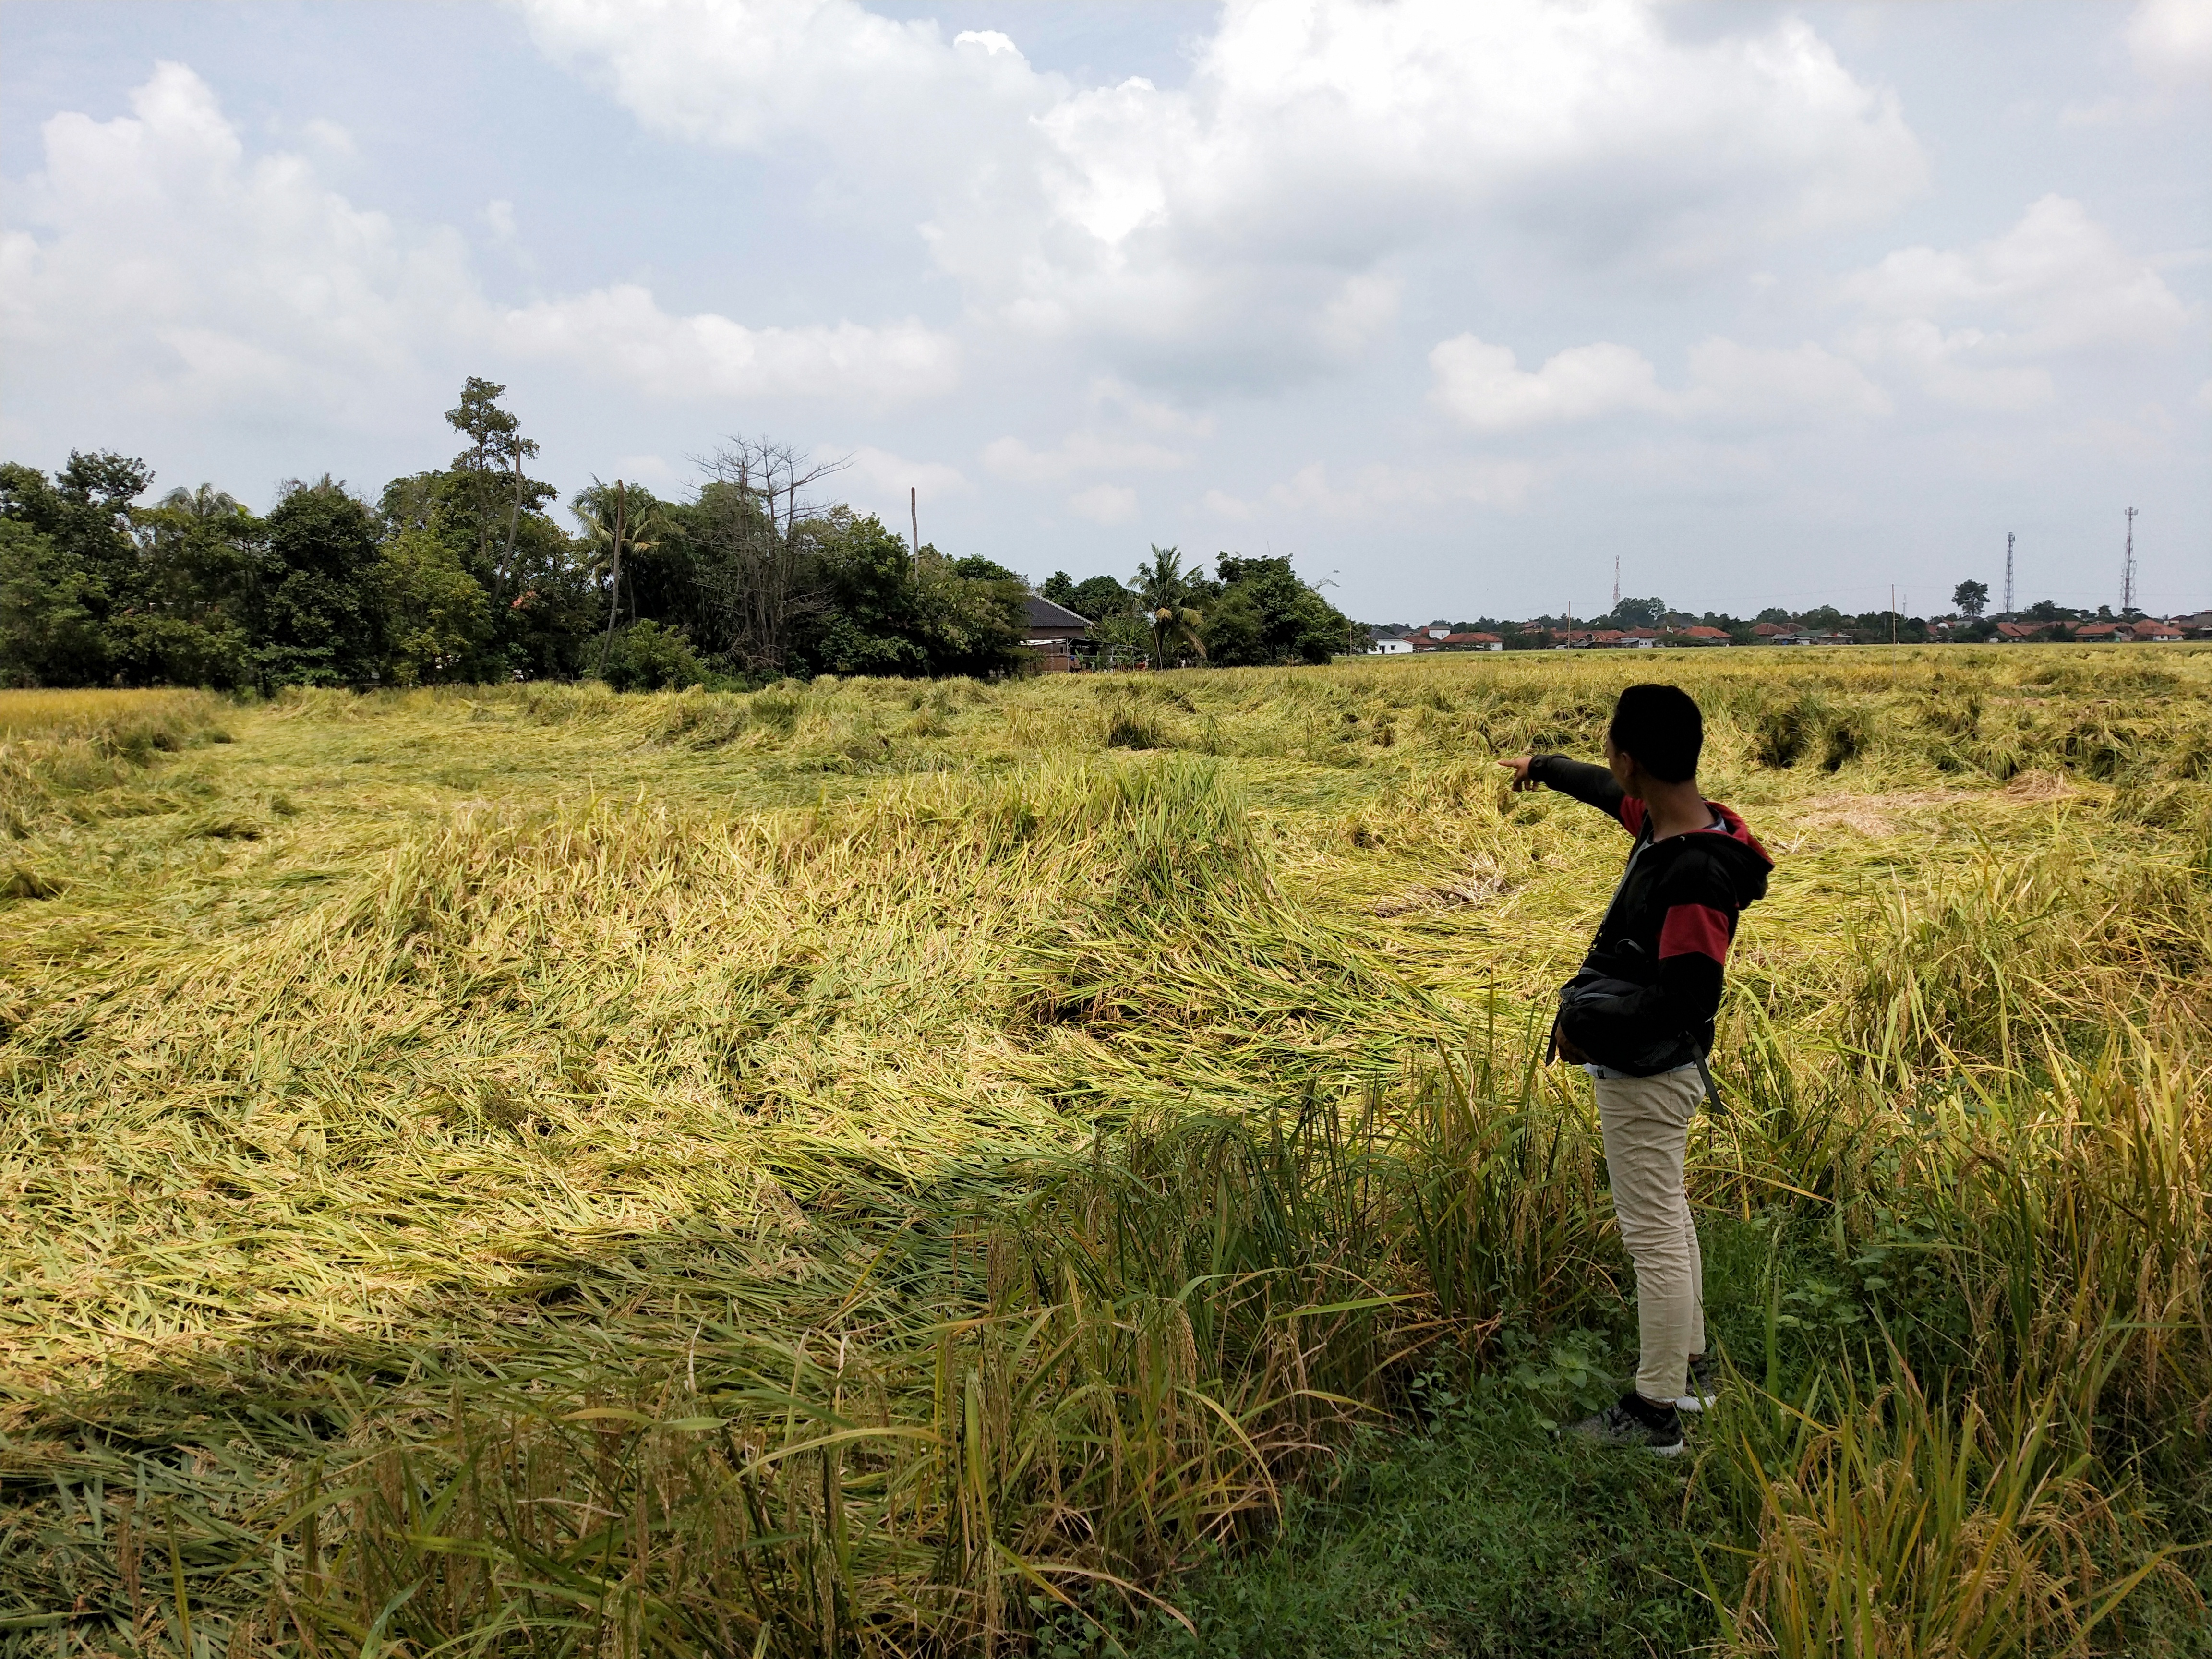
888	1168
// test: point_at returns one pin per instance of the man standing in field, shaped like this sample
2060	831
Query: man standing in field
1639	1018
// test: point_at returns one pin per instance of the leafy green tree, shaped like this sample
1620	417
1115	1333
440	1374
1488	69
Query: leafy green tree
1971	597
616	520
184	614
540	596
871	620
1634	613
972	615
1266	615
888	613
436	615
71	580
50	631
315	607
488	494
1164	591
1100	597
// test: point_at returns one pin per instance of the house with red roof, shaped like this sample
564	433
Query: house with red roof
2098	631
2151	628
1701	634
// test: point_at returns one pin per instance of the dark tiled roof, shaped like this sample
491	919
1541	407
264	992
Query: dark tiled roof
1043	613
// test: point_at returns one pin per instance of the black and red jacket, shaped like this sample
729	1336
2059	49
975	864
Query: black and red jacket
1651	986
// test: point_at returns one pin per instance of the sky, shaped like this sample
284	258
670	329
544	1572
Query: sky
1453	305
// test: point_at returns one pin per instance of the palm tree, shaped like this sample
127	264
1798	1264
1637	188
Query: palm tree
614	524
204	503
1163	589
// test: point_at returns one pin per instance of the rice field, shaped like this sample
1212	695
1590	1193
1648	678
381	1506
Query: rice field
882	1168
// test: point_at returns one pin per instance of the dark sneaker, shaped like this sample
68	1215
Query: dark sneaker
1635	1421
1703	1387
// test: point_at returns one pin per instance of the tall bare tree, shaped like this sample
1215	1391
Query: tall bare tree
753	524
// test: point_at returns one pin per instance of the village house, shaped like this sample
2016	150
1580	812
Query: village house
1053	631
2098	631
2150	629
1701	634
1473	641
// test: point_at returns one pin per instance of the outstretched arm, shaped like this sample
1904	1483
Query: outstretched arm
1591	785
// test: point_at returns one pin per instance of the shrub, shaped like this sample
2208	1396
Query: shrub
647	657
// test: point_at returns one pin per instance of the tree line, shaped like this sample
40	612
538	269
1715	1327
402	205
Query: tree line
464	574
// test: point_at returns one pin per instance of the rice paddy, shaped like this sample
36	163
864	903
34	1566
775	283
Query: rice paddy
875	1167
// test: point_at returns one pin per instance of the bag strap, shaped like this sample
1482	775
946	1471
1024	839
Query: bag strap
1712	1089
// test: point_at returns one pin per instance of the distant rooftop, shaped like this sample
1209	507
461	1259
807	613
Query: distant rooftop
1043	613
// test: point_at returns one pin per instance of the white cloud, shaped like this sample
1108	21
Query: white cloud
331	136
1381	490
1223	505
1236	229
1976	325
2058	281
1105	503
167	267
1479	384
619	333
1728	379
878	480
2171	40
184	275
1078	452
654	471
1117	400
991	40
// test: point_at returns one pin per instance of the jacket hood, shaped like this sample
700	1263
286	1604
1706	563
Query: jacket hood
1737	851
1731	847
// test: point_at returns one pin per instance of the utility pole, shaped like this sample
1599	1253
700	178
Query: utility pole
2007	609
914	521
1616	584
2128	569
1892	613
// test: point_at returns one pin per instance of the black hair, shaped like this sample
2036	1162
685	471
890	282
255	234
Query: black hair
1661	727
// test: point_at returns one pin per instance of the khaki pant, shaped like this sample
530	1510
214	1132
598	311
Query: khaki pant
1647	1132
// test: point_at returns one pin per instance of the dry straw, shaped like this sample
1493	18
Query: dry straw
866	1167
